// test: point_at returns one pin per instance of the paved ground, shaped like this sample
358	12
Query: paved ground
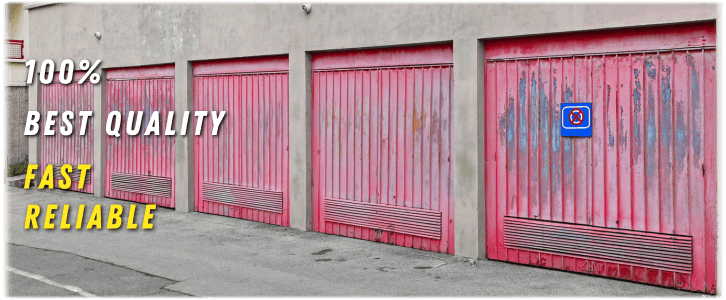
92	276
194	254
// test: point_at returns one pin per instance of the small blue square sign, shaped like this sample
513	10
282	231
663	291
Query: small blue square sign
576	119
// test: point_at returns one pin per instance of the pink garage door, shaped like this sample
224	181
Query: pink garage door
381	145
74	149
637	200
140	168
242	172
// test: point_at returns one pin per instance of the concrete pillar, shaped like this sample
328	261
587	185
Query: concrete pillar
34	140
184	151
99	137
468	151
5	105
300	118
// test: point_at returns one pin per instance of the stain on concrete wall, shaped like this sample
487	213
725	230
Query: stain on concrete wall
16	101
145	34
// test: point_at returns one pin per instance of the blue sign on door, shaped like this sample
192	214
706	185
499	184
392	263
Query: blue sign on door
576	119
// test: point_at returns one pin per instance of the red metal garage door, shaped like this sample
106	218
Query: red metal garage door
635	201
243	171
74	149
140	168
381	145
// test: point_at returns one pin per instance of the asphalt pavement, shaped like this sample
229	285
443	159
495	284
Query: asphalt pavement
196	254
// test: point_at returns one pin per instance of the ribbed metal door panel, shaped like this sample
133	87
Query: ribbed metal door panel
637	200
74	149
242	172
141	168
382	145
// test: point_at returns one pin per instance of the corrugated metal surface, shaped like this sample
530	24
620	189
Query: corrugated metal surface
382	137
243	171
74	149
649	166
130	158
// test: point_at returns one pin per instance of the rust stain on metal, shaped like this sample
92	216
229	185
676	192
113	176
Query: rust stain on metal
242	172
644	180
75	149
148	159
389	149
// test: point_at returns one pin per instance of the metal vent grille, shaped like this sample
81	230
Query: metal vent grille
636	248
406	220
266	200
75	175
141	184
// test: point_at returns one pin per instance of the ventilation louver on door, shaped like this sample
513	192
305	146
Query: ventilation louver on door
637	248
406	220
141	184
242	196
75	175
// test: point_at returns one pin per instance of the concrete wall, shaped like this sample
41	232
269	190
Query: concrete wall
18	21
16	91
15	73
140	34
145	34
16	101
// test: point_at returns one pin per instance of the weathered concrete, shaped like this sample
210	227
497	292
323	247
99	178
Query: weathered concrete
5	114
16	105
209	255
33	141
99	137
95	277
184	144
16	181
5	133
467	151
300	139
142	34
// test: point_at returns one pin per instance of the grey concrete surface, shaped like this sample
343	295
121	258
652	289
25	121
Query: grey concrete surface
184	144
467	148
16	181
300	140
33	141
16	105
207	255
143	34
99	136
95	277
21	286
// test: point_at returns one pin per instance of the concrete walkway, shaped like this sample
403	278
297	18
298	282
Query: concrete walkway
207	255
